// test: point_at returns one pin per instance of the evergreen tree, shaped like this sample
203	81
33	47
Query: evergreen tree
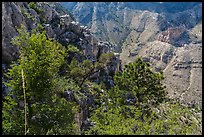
130	106
139	84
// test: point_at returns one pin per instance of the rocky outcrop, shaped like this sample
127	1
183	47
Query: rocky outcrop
175	36
124	23
58	25
184	74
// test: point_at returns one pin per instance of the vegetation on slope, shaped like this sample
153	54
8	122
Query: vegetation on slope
136	104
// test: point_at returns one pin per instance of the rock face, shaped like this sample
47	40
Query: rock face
184	73
9	10
175	36
161	33
58	23
123	23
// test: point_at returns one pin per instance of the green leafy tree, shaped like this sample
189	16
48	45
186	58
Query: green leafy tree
113	120
56	115
12	117
72	49
40	60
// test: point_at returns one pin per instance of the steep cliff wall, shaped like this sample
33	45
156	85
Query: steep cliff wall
59	25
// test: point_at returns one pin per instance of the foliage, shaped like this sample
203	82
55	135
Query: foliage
81	77
86	70
34	6
57	115
40	59
140	83
111	120
129	120
105	58
137	104
125	112
40	28
174	118
12	117
28	15
72	49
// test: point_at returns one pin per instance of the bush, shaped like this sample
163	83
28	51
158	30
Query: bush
34	6
111	119
72	49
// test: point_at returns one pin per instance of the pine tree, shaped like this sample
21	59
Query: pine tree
129	108
139	83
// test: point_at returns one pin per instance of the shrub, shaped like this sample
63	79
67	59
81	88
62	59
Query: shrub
34	6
